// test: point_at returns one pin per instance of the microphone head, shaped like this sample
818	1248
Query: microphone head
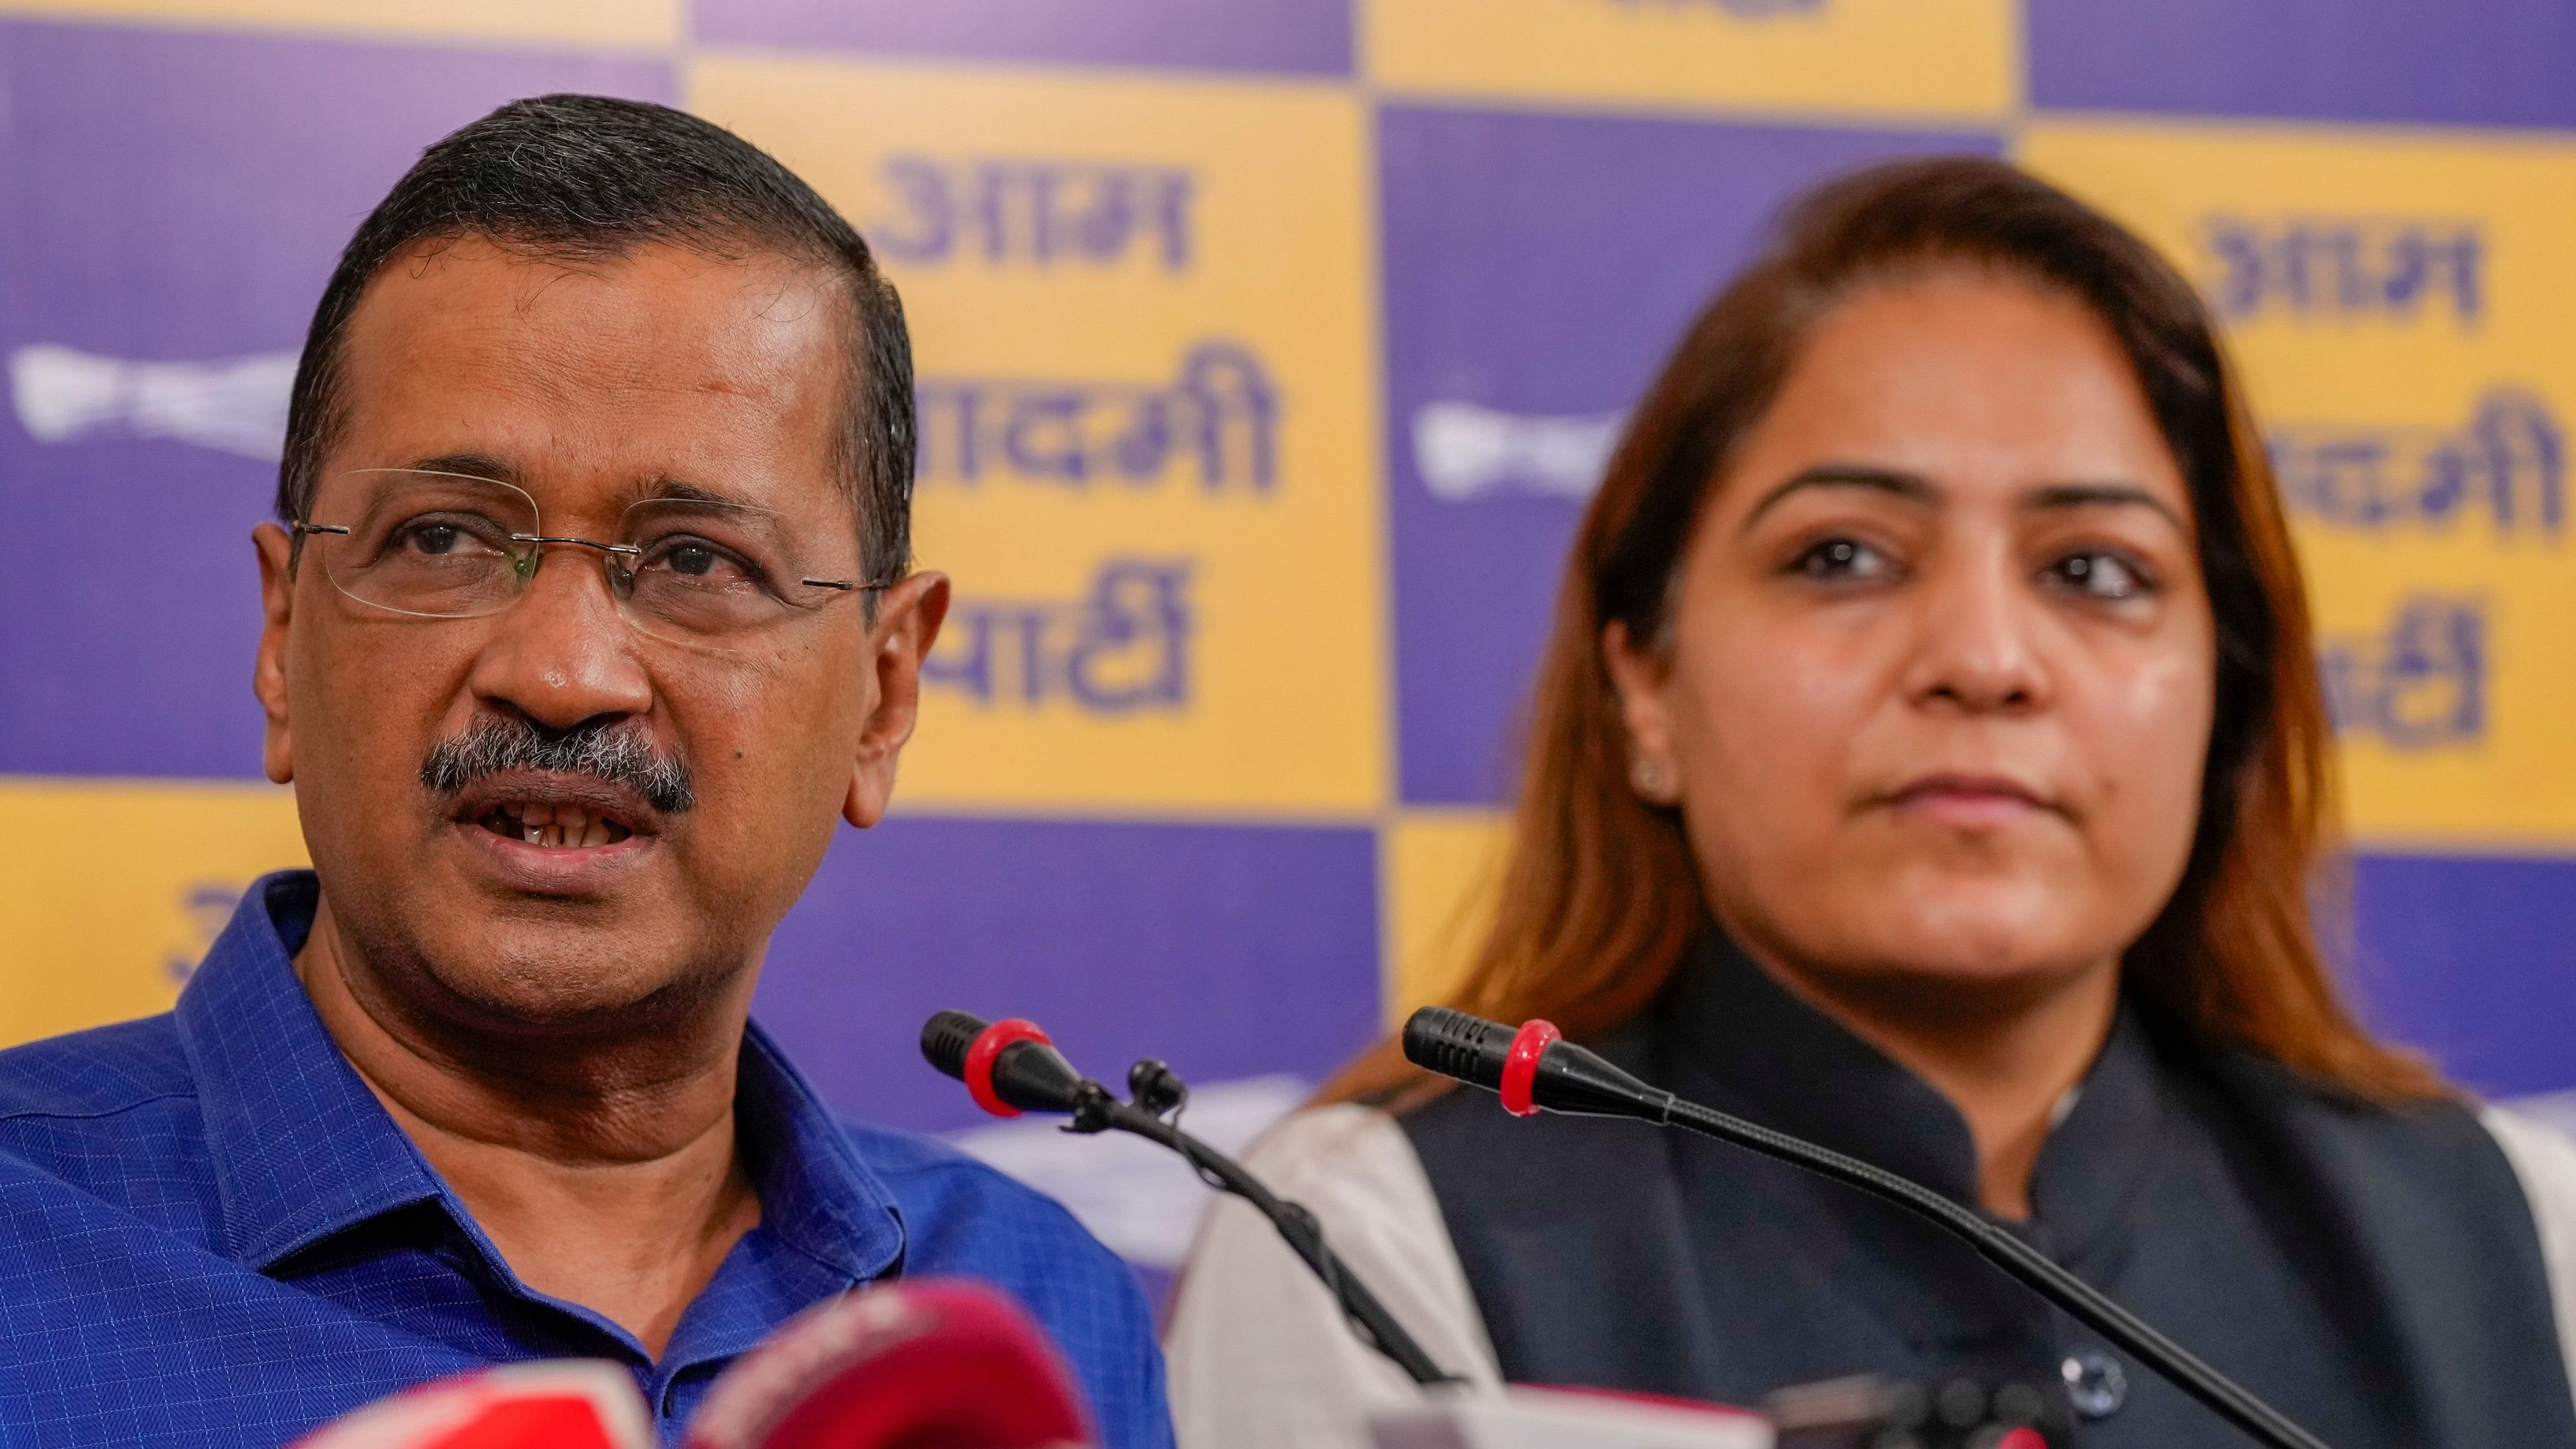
945	1039
1454	1044
566	1404
1009	1066
1532	1068
917	1364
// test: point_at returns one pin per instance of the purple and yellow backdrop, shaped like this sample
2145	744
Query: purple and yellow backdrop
1268	351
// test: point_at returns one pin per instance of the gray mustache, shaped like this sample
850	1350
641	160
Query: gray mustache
619	754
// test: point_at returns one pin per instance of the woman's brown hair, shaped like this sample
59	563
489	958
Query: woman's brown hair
1600	900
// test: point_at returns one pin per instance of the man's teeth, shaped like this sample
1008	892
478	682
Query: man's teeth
561	827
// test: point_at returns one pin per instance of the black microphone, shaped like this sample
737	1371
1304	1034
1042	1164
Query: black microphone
1011	1066
1536	1070
1008	1066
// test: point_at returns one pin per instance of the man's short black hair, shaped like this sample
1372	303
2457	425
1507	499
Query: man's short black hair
591	178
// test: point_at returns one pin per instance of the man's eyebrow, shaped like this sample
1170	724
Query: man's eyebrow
2096	495
664	488
1911	487
660	488
467	465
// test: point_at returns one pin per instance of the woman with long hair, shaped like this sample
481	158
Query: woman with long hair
1929	760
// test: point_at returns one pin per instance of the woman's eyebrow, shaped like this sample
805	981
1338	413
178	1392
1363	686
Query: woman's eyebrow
1911	487
2095	495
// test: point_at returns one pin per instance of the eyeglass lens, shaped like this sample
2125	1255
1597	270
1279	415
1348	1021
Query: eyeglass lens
441	545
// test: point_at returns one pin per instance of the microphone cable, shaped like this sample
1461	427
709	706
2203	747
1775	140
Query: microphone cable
1535	1069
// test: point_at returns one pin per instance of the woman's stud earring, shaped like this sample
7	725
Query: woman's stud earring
1648	776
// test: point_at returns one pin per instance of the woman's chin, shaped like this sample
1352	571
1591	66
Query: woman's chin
1978	938
1964	981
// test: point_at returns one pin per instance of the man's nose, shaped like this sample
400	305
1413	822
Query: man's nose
563	654
1977	643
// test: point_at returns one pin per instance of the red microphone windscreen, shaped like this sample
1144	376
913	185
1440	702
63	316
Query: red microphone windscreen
919	1364
566	1404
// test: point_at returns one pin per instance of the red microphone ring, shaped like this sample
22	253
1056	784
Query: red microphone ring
1520	1065
987	1046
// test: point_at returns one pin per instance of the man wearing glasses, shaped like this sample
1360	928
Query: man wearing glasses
589	616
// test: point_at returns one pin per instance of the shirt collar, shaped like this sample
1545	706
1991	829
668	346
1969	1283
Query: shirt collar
816	1196
302	1149
2096	1158
1728	1024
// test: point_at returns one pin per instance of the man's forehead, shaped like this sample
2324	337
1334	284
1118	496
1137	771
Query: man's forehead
658	362
747	309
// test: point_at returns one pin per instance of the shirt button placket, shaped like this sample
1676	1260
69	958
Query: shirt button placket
2095	1382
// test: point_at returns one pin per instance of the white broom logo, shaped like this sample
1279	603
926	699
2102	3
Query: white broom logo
1465	452
234	405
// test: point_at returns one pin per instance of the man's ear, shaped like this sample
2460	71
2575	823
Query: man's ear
908	620
268	674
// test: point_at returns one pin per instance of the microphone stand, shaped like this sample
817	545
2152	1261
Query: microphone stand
1011	1066
1159	1090
1557	1075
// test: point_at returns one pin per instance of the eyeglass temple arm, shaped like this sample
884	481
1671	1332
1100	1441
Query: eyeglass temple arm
295	547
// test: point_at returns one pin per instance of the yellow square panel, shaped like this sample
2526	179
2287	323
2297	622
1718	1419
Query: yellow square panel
111	891
1442	869
1947	60
599	22
1140	312
2406	319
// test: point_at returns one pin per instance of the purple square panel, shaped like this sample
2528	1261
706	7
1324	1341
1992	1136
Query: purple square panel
1310	37
2492	63
170	204
1232	952
1538	268
2473	960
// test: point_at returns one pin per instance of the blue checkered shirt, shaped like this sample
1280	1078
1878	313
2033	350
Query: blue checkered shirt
214	1235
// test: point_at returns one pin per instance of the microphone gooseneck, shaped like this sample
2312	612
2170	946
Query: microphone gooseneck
1558	1076
1010	1067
